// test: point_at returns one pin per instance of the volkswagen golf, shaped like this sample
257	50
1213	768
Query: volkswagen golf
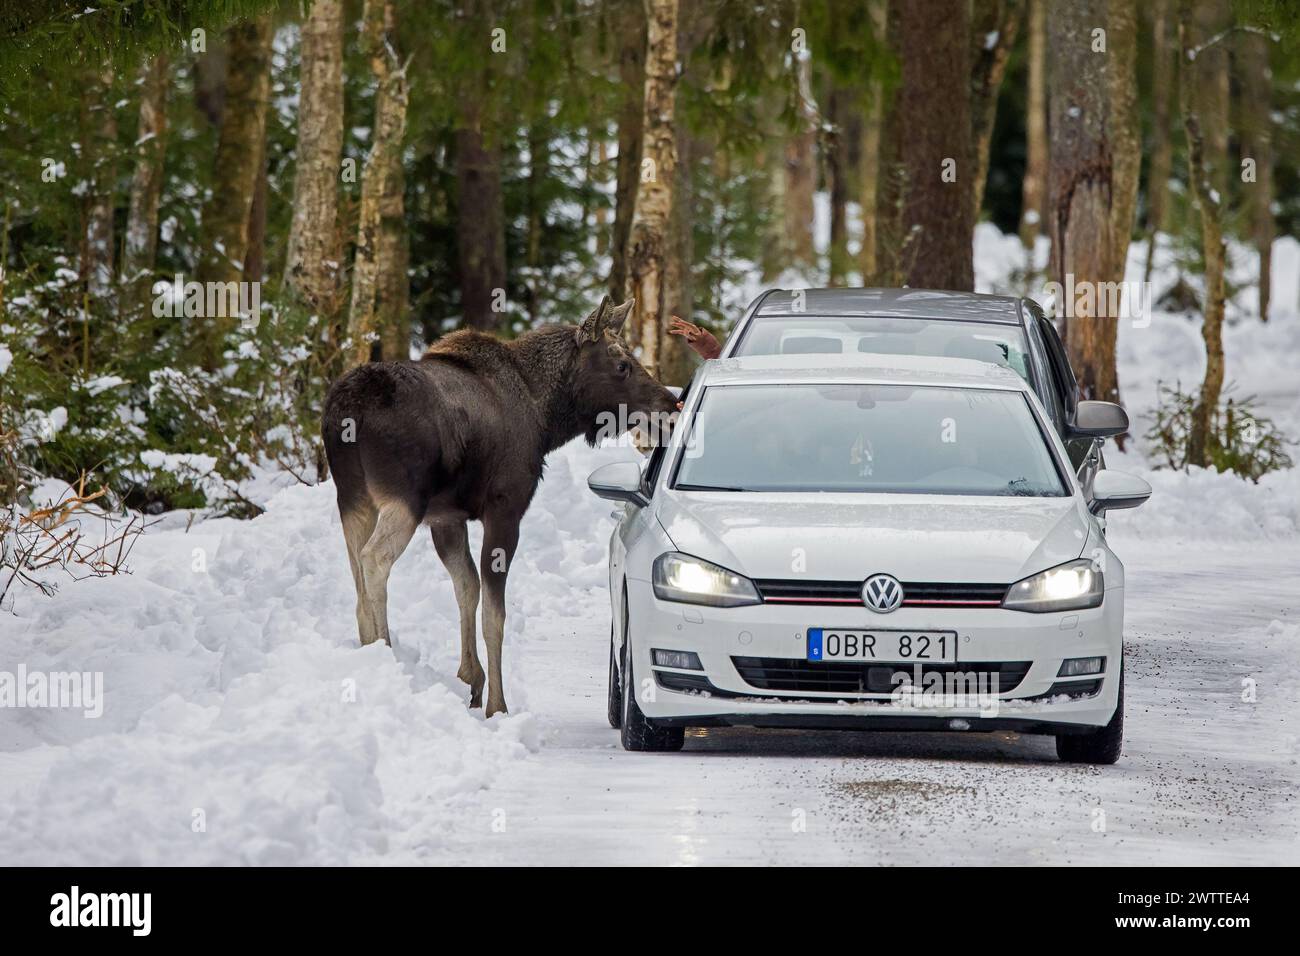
872	542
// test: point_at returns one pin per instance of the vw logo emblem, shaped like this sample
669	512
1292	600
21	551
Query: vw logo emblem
882	593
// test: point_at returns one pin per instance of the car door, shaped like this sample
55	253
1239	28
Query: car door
1085	453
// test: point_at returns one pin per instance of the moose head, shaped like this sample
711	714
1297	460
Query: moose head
612	390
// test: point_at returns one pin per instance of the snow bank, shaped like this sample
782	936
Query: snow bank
242	722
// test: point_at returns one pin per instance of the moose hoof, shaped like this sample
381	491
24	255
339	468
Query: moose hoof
494	708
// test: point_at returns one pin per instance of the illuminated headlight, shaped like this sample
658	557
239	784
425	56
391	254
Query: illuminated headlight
679	577
1066	587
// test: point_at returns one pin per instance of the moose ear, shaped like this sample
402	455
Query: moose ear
619	316
591	326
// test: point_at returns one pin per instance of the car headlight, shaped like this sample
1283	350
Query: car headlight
679	577
1066	587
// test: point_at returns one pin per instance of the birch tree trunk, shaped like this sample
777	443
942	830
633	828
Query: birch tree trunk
1164	62
1195	94
1082	189
1034	188
631	71
649	235
311	267
235	171
379	281
1257	144
996	24
934	103
141	245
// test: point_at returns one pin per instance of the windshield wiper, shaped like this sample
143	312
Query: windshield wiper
687	487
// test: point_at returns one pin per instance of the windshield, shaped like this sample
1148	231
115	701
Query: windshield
827	335
867	438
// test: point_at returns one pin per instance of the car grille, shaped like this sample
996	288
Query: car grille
915	594
843	677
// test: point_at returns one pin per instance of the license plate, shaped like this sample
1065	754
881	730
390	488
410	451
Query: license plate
835	644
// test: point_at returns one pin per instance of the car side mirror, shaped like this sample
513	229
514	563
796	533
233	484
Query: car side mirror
1113	490
1098	420
618	481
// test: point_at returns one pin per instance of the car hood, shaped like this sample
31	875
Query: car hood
835	537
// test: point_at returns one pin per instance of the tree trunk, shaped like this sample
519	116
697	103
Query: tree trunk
141	244
538	172
675	356
631	71
1257	144
255	258
1194	93
1082	184
934	103
996	23
1162	146
837	172
480	218
379	280
649	236
801	173
235	171
600	214
1034	187
99	124
871	163
1122	127
311	267
1211	76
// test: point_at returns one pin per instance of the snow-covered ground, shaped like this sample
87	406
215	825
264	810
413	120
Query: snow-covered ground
242	723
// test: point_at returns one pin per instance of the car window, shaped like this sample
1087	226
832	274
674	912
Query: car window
997	343
867	438
1050	392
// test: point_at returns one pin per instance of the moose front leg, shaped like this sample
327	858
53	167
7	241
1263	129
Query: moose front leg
500	536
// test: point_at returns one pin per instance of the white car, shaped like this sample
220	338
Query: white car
878	542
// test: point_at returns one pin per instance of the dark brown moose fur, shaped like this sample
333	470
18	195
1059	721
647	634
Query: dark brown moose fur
462	435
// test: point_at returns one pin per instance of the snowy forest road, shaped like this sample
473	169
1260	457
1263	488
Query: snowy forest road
1205	778
242	724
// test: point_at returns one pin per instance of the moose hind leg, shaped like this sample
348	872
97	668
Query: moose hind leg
393	530
500	536
451	539
358	525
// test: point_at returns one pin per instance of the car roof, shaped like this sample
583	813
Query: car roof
860	368
900	303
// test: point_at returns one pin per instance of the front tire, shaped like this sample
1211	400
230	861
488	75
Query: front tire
638	733
1100	746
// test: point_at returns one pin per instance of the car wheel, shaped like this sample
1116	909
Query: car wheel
638	732
614	697
1101	746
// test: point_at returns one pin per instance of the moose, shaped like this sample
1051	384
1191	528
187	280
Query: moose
462	434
